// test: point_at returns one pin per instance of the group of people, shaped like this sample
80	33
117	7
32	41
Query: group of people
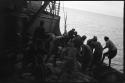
92	52
72	51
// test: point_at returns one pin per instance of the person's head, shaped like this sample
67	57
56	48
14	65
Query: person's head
84	37
106	38
73	29
95	38
75	33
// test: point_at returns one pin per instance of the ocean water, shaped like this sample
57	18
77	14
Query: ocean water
90	24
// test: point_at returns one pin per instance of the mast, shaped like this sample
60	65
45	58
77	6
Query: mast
65	21
65	25
58	8
41	9
53	7
50	8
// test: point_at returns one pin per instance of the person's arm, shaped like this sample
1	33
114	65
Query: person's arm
106	46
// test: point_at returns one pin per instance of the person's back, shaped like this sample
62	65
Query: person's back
86	57
69	51
89	43
111	45
97	52
86	51
77	42
69	57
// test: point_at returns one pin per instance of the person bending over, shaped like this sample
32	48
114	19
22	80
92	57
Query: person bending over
112	50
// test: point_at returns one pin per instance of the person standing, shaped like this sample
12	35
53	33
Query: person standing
112	50
90	42
87	56
71	34
98	49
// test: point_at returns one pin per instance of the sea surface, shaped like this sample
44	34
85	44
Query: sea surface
90	24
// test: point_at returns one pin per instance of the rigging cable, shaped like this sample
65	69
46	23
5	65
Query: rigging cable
65	20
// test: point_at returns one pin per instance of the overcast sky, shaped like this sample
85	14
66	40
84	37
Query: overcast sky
114	8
